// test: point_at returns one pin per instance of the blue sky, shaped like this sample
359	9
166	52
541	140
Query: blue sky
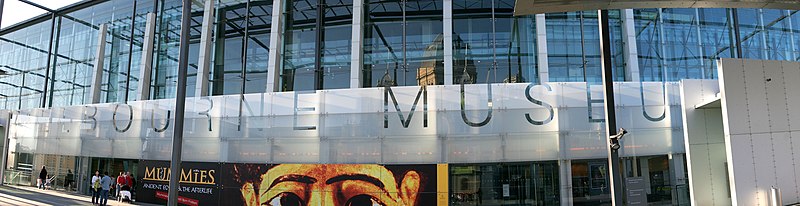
15	11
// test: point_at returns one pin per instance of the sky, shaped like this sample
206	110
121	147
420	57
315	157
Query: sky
15	11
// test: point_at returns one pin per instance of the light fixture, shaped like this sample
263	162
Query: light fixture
614	139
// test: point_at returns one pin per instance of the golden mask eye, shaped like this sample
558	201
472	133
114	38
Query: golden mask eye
364	200
285	199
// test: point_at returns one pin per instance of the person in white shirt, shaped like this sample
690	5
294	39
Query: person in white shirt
95	185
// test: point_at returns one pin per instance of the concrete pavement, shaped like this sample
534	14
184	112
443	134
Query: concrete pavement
20	195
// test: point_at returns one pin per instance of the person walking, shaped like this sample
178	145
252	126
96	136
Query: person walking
42	178
96	188
105	185
68	180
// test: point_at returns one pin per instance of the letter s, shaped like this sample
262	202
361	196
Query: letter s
540	103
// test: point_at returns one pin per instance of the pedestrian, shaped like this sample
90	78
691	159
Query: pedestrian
105	185
42	178
120	182
96	188
68	180
128	181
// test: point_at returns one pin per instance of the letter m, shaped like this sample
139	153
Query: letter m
387	92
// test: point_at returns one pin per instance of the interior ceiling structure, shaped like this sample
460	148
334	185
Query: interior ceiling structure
527	7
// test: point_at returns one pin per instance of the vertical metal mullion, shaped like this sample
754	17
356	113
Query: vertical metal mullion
47	74
244	61
736	35
318	70
130	54
404	64
494	48
55	58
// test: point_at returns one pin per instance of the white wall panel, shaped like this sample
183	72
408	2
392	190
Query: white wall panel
791	73
784	166
731	80
764	154
740	167
776	96
755	89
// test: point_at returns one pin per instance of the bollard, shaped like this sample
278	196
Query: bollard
775	197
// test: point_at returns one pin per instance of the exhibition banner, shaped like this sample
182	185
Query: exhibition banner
330	184
199	183
256	184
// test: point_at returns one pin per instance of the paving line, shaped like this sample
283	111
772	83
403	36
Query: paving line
22	200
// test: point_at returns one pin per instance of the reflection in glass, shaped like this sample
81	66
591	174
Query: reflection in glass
534	183
403	40
241	38
502	52
307	36
573	46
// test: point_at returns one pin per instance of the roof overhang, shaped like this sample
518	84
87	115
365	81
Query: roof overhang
527	7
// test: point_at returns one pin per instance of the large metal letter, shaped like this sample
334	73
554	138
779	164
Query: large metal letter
302	109
387	91
146	67
114	118
97	76
463	106
589	102
540	103
92	117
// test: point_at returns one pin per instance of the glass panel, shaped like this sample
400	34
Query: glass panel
574	51
590	182
300	35
403	41
336	44
24	58
534	183
503	52
165	60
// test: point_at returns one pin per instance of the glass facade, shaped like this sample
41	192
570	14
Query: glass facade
403	43
536	146
504	52
573	47
317	50
241	43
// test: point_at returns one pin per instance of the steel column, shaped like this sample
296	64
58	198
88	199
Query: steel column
275	40
614	169
448	42
204	61
357	48
541	49
630	49
97	75
146	68
180	104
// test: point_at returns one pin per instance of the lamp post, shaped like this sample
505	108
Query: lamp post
611	119
180	104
